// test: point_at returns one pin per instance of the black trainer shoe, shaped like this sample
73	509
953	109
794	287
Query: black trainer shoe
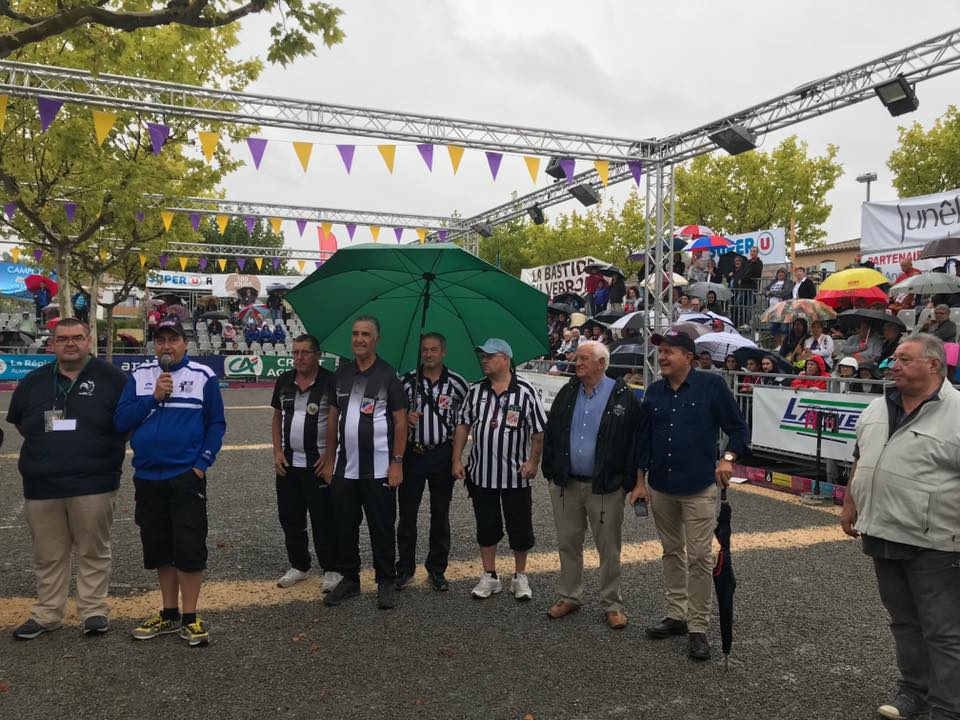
386	596
903	706
668	627
344	589
438	581
95	625
699	648
30	629
404	578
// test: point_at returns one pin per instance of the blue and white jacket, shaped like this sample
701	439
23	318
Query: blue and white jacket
174	435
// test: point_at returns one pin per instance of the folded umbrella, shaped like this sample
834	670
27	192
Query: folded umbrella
724	581
721	344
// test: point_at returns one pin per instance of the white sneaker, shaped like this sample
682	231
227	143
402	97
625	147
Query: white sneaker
487	586
291	577
520	587
331	580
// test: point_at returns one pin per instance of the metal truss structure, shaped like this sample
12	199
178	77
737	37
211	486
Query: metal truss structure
214	250
174	99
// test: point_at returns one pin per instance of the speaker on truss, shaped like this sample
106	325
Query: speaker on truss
554	170
586	194
734	138
483	229
536	214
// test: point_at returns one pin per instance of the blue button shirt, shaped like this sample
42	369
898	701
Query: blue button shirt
678	432
587	412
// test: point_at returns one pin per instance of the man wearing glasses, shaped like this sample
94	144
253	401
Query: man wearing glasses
70	461
301	406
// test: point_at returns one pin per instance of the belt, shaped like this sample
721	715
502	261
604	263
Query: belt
421	449
581	478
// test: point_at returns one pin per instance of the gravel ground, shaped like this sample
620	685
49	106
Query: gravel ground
811	638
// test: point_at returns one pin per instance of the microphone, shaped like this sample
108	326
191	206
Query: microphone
166	362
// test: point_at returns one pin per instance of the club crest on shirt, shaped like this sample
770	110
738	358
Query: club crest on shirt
443	402
312	409
186	386
86	388
367	405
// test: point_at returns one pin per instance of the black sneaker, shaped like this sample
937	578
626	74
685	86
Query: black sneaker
31	629
668	627
699	648
386	596
95	625
344	589
903	706
438	581
404	578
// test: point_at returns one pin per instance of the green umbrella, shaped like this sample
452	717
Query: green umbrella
412	289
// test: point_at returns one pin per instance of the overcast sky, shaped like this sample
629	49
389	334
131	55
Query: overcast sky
628	69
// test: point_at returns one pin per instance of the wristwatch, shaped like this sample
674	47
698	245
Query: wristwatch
729	456
397	459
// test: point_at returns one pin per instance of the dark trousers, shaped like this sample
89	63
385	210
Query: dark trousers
922	595
431	468
353	499
300	493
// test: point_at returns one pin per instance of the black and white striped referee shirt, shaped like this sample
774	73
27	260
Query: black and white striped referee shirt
439	413
303	416
502	429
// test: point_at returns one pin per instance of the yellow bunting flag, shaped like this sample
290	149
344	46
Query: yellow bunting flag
456	155
603	170
533	166
222	221
167	218
422	234
259	263
183	263
300	264
222	263
103	124
208	143
275	223
303	151
327	228
15	254
389	153
143	261
375	232
3	110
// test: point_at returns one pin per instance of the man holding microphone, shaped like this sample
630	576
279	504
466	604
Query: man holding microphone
174	411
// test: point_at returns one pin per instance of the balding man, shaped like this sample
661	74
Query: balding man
904	301
588	459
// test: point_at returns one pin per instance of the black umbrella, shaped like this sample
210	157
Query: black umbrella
569	298
942	247
612	270
724	581
595	268
608	316
725	263
559	307
851	319
629	355
592	323
215	315
780	363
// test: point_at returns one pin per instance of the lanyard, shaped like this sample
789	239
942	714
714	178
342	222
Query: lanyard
58	389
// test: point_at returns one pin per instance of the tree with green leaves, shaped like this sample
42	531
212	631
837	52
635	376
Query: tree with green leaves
928	161
758	189
290	37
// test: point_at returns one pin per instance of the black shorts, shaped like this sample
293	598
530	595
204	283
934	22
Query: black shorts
172	516
517	507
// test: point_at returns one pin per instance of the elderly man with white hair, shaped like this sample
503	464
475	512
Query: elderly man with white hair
588	459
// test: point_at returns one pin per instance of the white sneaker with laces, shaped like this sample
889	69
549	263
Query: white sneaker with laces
291	577
487	586
330	580
520	587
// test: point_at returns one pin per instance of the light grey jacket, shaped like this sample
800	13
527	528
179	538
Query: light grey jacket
907	487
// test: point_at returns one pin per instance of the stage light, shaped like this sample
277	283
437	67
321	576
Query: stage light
536	214
735	139
897	96
483	229
585	194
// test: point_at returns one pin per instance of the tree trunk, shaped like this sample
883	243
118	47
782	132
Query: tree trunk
109	311
63	280
94	298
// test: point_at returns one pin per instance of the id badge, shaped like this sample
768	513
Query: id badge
367	405
443	402
49	416
513	416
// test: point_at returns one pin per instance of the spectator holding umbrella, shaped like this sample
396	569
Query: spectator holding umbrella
713	274
590	285
865	345
793	344
781	288
616	292
600	297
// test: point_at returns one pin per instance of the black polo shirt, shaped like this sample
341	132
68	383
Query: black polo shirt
303	416
66	463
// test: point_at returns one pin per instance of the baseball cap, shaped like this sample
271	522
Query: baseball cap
674	338
849	362
495	345
173	325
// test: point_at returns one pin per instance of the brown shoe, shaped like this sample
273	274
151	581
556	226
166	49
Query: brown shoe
616	620
561	609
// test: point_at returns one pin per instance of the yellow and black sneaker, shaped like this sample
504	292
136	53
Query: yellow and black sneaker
195	633
156	626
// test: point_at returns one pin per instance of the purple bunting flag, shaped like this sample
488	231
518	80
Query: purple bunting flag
568	165
10	208
493	160
241	262
318	263
70	208
442	234
158	136
163	262
139	216
426	152
256	146
48	109
399	233
37	254
275	262
195	221
301	226
351	229
250	222
636	169
346	154
202	262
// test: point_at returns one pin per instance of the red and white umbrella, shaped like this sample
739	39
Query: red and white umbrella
693	231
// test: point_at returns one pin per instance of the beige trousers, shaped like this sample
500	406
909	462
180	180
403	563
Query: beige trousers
57	526
685	524
573	507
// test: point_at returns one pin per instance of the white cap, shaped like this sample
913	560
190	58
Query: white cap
849	362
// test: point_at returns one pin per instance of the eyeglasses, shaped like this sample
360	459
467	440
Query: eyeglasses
67	339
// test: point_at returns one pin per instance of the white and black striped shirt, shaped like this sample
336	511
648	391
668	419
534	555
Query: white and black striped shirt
366	401
303	416
438	404
502	428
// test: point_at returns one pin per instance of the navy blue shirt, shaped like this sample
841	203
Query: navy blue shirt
678	432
